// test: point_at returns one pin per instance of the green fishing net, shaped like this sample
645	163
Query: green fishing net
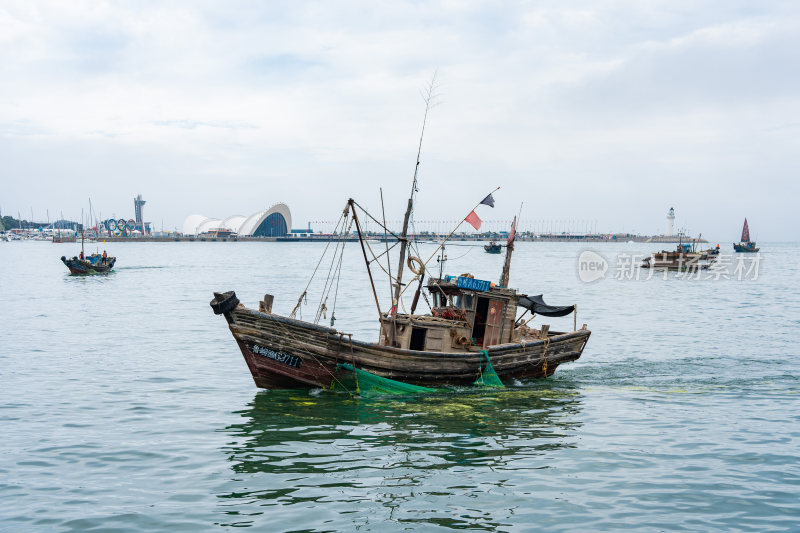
368	384
489	377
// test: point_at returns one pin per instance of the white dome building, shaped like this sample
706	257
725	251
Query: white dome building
274	222
191	224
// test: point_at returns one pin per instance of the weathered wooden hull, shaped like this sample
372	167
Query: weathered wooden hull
285	353
680	261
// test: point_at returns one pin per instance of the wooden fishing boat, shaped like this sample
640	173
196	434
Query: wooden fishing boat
678	260
746	245
684	258
493	248
91	264
444	348
473	326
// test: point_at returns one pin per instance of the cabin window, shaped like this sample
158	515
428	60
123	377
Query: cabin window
440	299
459	300
417	339
464	301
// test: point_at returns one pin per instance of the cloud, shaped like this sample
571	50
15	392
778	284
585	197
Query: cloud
587	102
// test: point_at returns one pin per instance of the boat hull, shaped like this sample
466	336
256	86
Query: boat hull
83	267
678	261
745	248
285	353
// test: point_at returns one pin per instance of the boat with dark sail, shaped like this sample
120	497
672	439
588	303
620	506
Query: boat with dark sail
473	328
493	248
746	245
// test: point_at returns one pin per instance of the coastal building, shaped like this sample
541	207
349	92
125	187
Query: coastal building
138	208
273	222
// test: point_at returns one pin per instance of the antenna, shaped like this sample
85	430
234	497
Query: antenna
428	97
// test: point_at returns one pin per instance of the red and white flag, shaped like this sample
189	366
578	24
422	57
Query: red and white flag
474	219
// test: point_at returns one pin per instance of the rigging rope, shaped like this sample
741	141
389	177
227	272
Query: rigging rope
302	298
375	259
336	292
393	234
329	281
544	356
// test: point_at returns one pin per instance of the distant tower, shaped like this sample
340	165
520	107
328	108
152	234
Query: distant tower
670	221
137	206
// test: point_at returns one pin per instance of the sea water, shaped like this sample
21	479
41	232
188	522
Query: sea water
125	404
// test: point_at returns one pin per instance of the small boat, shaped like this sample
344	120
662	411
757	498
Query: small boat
684	258
472	330
493	248
91	264
746	245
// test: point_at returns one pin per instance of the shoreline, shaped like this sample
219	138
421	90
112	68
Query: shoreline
432	238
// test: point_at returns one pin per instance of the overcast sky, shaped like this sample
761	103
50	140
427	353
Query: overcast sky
607	111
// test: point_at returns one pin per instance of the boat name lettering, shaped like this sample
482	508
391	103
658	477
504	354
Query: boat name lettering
280	357
473	284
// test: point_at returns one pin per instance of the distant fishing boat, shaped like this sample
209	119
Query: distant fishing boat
493	248
92	264
746	245
471	332
685	257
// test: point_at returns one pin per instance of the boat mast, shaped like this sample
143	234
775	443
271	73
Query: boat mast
91	218
509	249
404	234
361	238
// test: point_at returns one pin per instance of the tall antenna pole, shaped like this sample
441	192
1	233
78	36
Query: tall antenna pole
404	236
91	216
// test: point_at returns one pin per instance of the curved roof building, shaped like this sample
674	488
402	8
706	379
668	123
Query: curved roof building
274	222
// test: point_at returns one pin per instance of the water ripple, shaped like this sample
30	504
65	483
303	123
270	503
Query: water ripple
126	406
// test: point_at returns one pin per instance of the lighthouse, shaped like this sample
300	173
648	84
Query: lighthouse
670	221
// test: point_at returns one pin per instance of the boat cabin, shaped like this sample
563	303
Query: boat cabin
467	314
